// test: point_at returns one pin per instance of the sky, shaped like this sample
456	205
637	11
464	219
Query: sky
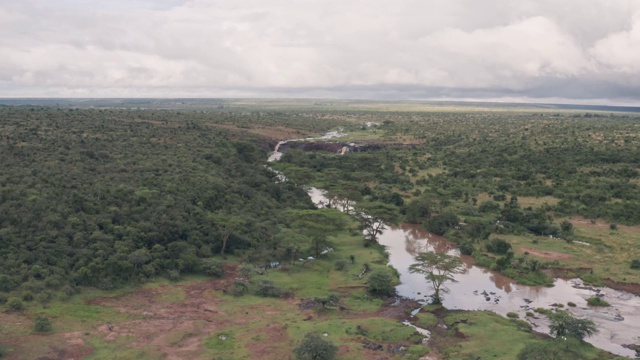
569	51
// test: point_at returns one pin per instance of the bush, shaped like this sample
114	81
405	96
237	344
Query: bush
530	314
267	288
635	264
597	301
212	267
42	324
340	265
313	347
381	283
498	246
15	304
173	275
543	311
512	315
571	304
548	350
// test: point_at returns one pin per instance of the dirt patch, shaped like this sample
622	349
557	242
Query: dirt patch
551	255
272	337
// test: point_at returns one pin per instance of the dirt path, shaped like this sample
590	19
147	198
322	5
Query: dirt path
551	255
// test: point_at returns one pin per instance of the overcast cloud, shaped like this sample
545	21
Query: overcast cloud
583	51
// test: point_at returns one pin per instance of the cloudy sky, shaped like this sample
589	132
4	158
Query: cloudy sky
579	51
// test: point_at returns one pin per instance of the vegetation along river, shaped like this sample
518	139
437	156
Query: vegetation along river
481	289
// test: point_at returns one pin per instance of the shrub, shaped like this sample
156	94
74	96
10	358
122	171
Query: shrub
543	311
381	283
313	347
340	264
571	304
512	315
498	246
635	264
212	267
597	301
15	304
173	275
530	314
267	288
42	324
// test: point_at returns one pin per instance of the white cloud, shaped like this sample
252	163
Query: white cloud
221	47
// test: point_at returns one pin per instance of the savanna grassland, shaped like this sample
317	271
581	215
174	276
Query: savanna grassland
147	229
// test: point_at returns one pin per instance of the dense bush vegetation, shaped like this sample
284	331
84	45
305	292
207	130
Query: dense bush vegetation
104	197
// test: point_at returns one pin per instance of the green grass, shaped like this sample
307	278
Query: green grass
173	295
104	350
491	336
426	320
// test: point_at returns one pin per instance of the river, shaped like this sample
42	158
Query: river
481	289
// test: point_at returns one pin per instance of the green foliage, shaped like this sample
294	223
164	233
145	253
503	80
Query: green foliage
635	264
3	351
313	347
267	288
563	324
440	223
597	301
340	265
15	304
329	300
381	282
212	267
42	324
556	350
123	196
437	268
174	275
512	315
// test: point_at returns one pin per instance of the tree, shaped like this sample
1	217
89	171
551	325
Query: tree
317	225
381	283
438	268
226	225
372	216
313	347
564	324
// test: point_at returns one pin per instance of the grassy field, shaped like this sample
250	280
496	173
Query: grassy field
608	253
485	335
196	318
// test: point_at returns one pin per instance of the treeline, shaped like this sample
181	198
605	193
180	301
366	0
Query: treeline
106	197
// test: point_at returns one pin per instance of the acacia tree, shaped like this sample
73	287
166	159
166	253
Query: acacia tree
313	347
563	324
317	225
437	268
372	217
226	224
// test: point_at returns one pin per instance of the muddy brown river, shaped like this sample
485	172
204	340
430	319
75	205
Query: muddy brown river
481	289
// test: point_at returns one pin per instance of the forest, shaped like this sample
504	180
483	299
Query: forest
158	207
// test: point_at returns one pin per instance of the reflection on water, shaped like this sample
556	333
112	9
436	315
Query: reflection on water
482	289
